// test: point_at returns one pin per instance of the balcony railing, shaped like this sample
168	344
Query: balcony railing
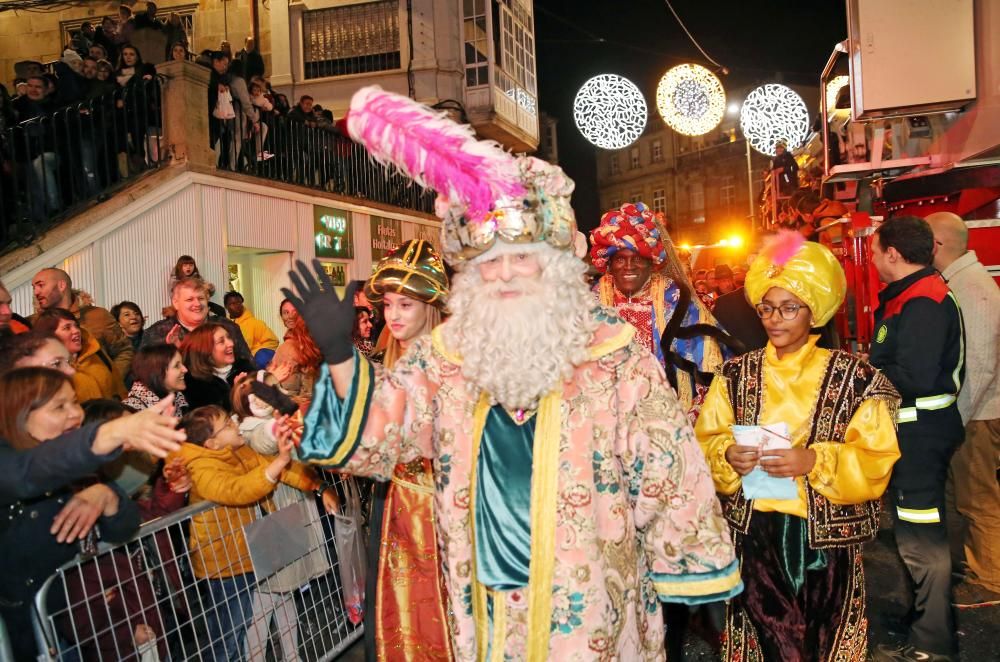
315	155
55	163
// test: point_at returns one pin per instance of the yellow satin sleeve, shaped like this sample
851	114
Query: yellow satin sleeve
715	436
858	470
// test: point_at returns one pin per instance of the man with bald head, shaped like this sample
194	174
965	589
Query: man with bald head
974	465
53	288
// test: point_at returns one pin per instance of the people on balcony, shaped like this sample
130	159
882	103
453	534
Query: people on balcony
228	102
142	114
35	149
785	168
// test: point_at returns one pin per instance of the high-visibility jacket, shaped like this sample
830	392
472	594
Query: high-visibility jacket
919	344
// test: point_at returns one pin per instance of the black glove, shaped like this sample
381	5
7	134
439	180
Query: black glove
329	318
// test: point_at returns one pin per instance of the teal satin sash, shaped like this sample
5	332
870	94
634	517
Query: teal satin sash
796	557
503	501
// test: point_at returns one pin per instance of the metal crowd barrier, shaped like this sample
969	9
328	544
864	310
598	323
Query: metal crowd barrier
52	164
316	155
155	598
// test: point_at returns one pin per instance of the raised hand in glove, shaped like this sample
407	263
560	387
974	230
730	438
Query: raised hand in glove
329	318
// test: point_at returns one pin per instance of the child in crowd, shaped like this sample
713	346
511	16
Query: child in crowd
257	401
224	470
259	99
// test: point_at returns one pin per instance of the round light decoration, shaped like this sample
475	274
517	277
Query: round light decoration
690	99
610	111
833	88
773	113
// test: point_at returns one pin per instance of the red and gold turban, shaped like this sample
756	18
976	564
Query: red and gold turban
634	228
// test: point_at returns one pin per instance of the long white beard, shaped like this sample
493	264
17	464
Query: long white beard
519	349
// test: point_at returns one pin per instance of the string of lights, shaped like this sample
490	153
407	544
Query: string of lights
610	111
691	99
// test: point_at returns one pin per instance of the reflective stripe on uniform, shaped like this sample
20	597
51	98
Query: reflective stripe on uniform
961	345
928	403
935	401
924	516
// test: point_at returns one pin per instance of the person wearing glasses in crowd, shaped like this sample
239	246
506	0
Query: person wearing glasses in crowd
800	556
33	350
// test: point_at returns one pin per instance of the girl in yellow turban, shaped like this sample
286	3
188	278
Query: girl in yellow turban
800	551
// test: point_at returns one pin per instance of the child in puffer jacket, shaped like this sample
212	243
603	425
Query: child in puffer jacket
258	402
226	471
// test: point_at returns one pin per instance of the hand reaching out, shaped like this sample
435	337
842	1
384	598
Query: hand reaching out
330	501
330	318
152	430
285	436
176	474
281	371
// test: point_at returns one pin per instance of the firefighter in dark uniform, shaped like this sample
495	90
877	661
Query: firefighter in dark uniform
919	344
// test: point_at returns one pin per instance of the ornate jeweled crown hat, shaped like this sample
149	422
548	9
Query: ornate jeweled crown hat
415	270
484	192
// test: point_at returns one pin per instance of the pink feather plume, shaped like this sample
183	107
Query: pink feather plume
784	246
432	150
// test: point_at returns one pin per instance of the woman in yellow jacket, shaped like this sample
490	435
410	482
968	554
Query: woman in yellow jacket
833	415
96	375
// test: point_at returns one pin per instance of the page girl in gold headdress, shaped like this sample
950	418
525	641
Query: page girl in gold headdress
407	616
800	550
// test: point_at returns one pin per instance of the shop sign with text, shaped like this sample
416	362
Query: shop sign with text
333	233
387	235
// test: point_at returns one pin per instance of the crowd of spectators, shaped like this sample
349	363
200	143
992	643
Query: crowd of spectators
71	128
77	369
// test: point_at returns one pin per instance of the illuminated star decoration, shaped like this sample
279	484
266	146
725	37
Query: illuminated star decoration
690	99
610	111
773	113
833	88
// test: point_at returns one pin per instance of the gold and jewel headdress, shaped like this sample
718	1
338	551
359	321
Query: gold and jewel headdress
806	269
415	270
484	192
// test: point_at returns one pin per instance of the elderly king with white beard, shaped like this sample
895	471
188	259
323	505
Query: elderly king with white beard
571	494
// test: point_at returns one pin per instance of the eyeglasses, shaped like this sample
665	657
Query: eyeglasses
57	364
231	422
789	311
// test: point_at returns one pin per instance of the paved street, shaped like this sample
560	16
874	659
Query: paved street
887	581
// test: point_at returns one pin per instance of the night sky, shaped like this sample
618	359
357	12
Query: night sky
639	39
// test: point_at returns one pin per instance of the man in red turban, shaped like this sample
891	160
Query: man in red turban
645	284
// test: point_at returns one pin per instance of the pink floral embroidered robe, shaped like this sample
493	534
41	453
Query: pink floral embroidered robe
636	519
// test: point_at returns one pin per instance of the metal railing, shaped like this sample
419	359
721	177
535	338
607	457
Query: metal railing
55	163
313	154
206	582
